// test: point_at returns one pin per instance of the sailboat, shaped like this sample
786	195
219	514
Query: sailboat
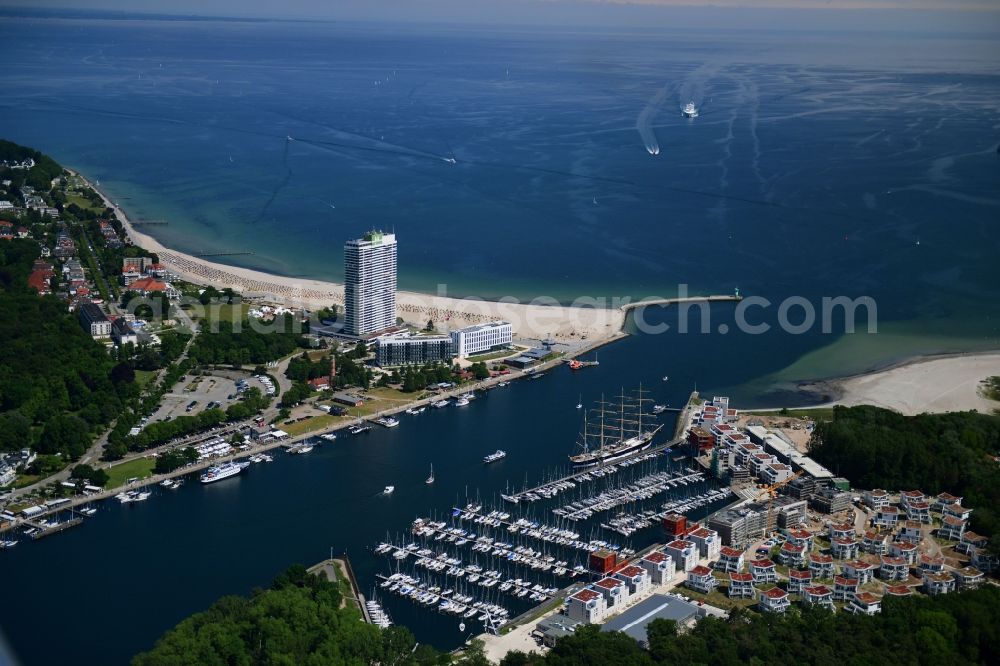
618	434
579	402
430	479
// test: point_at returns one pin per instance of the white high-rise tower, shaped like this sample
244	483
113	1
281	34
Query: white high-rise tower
370	283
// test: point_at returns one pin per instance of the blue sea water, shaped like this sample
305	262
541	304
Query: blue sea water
821	165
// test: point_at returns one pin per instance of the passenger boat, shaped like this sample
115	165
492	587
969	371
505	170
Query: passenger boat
224	471
499	454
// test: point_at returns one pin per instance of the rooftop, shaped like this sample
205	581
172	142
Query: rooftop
609	583
775	593
586	595
657	607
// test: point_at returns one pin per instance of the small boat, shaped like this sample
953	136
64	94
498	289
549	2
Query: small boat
387	421
330	437
388	490
579	404
659	409
461	402
502	384
7	544
665	378
440	403
88	511
430	479
538	375
690	110
413	411
499	454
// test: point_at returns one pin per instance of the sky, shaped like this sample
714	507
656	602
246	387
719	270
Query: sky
909	15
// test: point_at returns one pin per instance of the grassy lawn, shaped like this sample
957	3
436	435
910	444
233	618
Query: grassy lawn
503	353
318	422
140	467
224	312
717	598
143	377
26	480
83	202
814	414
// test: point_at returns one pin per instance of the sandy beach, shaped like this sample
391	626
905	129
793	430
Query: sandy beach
943	384
529	320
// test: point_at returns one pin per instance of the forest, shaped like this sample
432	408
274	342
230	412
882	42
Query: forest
246	345
948	629
298	620
934	453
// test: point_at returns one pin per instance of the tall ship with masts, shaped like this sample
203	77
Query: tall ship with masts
615	430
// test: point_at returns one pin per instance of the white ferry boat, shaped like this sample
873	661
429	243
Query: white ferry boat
690	110
223	471
499	454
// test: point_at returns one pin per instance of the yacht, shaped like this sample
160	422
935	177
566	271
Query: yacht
461	402
305	447
387	421
690	110
388	490
430	479
659	409
413	411
440	403
495	456
224	471
330	437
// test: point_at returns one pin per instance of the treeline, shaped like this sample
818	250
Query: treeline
878	448
57	386
39	176
417	379
299	620
350	370
947	629
227	346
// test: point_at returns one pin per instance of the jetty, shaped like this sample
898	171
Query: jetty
715	298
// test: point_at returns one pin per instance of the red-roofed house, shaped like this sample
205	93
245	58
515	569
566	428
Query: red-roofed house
792	555
798	580
701	579
971	542
615	591
865	603
730	559
919	511
909	496
707	540
587	606
938	583
741	586
968	578
859	569
635	578
957	511
818	595
952	528
841	531
893	568
821	566
774	600
659	566
898	590
945	499
931	563
801	537
876	499
887	516
844	588
844	549
684	553
763	571
320	383
875	542
776	473
146	286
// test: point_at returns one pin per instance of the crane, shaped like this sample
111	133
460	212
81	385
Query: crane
771	492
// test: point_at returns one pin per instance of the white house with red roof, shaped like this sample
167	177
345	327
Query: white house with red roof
701	579
659	566
684	554
904	549
773	600
587	606
919	511
818	595
951	528
938	583
844	588
956	510
859	569
615	592
865	603
730	559
792	555
707	540
933	563
798	580
945	499
763	571
893	568
776	473
635	578
741	586
844	549
968	578
875	542
907	497
887	516
876	499
898	591
841	531
801	537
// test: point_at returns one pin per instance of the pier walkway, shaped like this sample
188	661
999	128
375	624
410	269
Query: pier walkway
715	298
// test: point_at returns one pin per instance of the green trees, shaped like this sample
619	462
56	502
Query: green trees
297	621
480	370
171	460
877	448
948	629
94	477
246	345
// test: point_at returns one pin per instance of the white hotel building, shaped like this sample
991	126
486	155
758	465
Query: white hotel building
481	338
370	283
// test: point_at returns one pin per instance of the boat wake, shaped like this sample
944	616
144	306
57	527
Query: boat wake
644	122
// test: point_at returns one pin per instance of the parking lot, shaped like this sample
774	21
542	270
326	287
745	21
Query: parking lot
205	390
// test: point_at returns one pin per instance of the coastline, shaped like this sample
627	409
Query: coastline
933	383
530	320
